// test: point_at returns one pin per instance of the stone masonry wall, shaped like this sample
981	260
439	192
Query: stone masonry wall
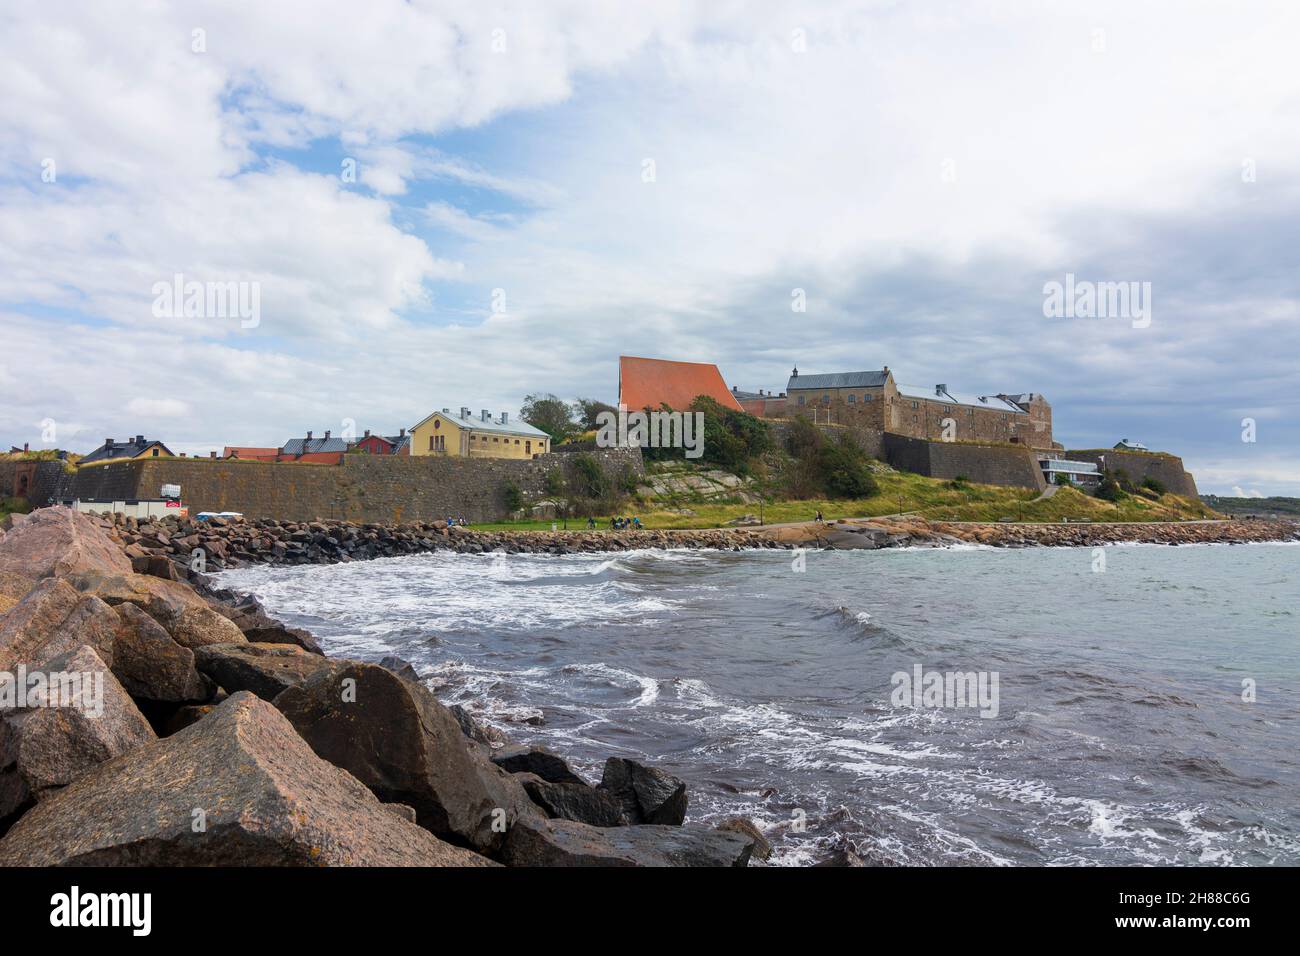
1167	469
983	464
363	488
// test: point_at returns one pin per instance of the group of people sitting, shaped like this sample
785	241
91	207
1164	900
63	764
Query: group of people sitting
454	521
620	523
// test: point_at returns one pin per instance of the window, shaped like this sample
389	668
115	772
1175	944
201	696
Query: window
826	398
852	398
800	399
437	423
431	445
915	405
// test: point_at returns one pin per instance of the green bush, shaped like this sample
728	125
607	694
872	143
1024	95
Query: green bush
514	498
1062	478
1109	489
1154	484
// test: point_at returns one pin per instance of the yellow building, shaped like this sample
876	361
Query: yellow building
464	436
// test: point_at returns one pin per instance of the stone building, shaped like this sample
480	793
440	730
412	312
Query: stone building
873	399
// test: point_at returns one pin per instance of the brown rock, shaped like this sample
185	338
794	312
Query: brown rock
238	788
54	740
397	739
13	587
152	666
174	605
747	828
57	541
52	619
265	669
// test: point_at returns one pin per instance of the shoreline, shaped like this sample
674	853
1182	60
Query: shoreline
274	741
181	548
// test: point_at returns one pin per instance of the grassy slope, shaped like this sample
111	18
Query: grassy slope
930	497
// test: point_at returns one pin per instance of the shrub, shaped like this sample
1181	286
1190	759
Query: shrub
1062	479
514	498
1154	484
1108	489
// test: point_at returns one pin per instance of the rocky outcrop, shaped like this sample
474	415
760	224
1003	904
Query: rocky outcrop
748	829
564	843
238	788
396	738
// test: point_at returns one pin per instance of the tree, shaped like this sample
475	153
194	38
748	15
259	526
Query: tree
585	411
548	413
1108	489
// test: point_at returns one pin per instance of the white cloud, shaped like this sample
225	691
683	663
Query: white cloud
157	408
822	169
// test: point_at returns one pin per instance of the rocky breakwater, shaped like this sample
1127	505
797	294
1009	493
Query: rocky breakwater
146	720
174	547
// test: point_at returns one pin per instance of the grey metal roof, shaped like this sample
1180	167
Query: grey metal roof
301	446
949	397
475	423
839	380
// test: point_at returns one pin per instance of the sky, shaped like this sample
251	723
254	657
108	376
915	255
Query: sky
454	204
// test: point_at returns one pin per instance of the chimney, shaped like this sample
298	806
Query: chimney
486	415
309	436
505	417
402	432
24	446
464	412
795	373
327	434
940	389
367	434
139	439
212	454
734	389
108	441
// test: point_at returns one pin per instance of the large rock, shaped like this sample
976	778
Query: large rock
648	795
575	801
53	619
565	843
239	788
398	740
185	615
57	738
152	666
265	669
747	828
538	760
13	587
57	541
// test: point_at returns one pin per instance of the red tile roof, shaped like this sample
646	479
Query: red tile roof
648	383
247	452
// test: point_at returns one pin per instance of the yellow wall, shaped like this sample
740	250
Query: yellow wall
458	441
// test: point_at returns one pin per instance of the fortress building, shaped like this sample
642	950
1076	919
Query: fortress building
874	400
